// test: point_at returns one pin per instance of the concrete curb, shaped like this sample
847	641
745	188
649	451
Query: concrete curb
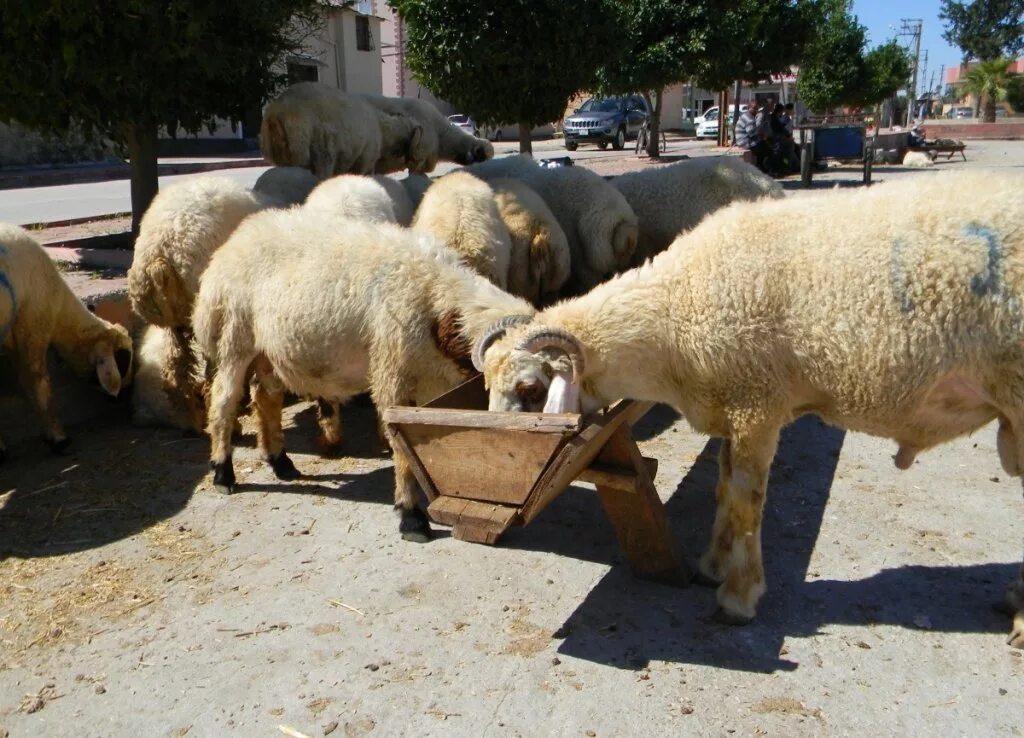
105	172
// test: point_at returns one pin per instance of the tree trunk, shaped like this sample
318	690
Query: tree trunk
525	141
141	142
654	129
989	106
723	116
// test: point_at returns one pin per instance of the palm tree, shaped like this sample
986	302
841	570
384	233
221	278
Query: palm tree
988	80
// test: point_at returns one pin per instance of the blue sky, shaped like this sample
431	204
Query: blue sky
878	15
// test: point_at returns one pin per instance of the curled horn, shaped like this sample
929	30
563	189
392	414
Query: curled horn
543	337
495	331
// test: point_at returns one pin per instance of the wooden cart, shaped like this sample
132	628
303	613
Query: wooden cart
484	472
839	138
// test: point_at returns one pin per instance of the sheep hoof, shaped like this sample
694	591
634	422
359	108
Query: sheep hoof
415	526
283	466
59	446
703	580
223	476
724	617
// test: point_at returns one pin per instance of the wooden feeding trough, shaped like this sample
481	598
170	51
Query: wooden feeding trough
485	472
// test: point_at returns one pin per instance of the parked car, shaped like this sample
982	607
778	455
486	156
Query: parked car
607	120
960	112
707	125
464	122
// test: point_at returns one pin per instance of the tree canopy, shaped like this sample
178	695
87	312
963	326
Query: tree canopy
515	61
984	29
989	81
836	69
119	68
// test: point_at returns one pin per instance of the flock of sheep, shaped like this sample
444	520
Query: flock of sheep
896	311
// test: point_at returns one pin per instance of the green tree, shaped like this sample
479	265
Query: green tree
888	68
984	29
989	81
834	71
515	61
120	68
1015	92
666	42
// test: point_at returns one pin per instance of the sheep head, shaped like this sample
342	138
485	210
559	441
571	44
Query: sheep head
537	369
110	355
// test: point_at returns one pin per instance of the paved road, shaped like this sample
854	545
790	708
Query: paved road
64	202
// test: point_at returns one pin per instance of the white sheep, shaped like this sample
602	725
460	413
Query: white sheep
918	160
445	141
415	186
287	185
896	311
331	311
671	199
597	220
152	403
351	196
512	166
179	232
38	310
330	132
459	211
540	259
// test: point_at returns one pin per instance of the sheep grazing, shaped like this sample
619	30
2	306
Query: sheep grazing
330	132
918	160
287	185
179	232
598	222
444	141
39	310
540	260
330	311
896	311
350	196
152	404
672	199
460	212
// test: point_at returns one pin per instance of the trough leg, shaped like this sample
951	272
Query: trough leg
639	516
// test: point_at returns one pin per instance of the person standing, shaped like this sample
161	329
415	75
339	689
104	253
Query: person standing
750	134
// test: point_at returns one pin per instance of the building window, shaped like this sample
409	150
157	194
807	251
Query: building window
364	41
302	73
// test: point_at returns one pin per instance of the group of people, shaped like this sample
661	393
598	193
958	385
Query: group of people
767	133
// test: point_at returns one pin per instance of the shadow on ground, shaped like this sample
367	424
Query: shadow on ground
625	622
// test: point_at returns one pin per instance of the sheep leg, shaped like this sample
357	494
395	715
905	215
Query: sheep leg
268	398
35	381
225	393
736	546
711	569
180	378
328	418
386	389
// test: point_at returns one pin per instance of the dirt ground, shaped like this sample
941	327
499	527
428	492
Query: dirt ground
134	600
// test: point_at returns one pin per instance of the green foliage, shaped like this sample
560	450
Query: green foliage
118	63
515	61
836	70
984	29
989	81
1015	92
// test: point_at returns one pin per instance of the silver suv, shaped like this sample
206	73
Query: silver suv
608	120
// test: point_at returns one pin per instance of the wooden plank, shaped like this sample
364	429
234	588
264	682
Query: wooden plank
470	395
401	446
489	464
614	477
531	422
575	456
639	518
476	522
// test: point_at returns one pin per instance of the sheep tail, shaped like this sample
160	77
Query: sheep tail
158	295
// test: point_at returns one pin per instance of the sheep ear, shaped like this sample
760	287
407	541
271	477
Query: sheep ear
108	374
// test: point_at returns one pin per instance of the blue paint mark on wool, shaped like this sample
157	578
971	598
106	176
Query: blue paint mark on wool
989	281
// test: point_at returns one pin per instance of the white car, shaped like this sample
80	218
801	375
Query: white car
464	122
707	124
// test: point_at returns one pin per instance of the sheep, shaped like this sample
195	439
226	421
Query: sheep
672	199
540	251
415	186
287	185
896	311
330	132
152	404
179	232
597	220
39	310
331	311
459	211
511	166
350	196
918	160
444	141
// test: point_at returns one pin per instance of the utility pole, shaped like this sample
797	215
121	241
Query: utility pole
911	27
